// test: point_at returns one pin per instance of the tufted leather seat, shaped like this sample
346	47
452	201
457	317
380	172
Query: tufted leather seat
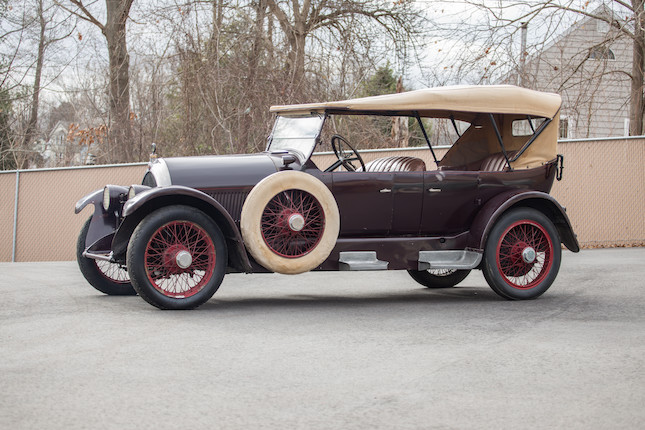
496	162
396	164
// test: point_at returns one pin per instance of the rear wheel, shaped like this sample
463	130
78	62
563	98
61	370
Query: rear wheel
108	278
439	278
522	255
177	258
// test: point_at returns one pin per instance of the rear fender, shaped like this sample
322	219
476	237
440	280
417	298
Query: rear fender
138	207
498	205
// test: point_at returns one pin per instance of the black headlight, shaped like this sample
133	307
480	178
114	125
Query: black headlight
113	197
136	189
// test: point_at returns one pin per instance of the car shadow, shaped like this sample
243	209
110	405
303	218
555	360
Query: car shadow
459	297
424	296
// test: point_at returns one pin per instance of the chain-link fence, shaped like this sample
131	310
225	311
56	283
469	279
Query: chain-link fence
44	222
603	189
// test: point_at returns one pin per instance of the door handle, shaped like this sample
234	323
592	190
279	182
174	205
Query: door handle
434	190
385	190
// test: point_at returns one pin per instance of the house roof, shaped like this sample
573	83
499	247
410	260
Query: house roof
442	101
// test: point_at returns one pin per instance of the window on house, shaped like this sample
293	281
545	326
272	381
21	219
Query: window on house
601	53
564	128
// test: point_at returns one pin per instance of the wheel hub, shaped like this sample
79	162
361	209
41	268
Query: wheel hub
296	222
292	223
177	258
529	255
184	259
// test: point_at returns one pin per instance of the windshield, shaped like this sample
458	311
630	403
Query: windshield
296	133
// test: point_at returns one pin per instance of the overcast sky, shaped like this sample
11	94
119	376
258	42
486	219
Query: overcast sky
81	59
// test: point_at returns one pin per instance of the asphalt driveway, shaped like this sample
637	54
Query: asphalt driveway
327	351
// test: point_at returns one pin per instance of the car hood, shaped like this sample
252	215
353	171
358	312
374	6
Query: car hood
220	171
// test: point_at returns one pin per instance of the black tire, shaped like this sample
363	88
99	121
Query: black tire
438	278
108	278
177	258
522	254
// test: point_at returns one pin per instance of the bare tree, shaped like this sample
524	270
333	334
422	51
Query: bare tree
300	21
33	116
120	142
43	19
30	31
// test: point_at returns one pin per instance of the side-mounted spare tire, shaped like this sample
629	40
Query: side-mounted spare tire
290	222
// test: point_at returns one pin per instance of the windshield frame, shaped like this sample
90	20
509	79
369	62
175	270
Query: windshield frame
304	149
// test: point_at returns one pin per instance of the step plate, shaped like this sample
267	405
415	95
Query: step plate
360	260
460	260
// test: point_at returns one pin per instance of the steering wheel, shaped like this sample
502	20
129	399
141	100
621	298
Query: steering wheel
345	154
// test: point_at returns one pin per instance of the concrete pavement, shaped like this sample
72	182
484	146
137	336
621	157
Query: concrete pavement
327	351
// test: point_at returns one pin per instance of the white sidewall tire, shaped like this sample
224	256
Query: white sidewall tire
255	204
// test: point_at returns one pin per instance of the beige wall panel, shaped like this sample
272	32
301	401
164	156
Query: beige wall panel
47	225
7	197
603	188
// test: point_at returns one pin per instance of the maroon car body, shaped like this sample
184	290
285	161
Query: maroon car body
485	206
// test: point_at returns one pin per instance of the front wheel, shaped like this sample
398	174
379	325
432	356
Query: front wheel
522	254
439	278
108	278
177	258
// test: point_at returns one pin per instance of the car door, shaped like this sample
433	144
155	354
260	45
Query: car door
450	201
407	194
365	202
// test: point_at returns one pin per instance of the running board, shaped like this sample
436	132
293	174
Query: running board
460	260
360	260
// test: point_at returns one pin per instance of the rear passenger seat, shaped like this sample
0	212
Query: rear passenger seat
496	162
396	164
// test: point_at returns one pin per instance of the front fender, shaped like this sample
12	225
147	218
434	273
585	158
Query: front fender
545	203
94	198
103	224
136	208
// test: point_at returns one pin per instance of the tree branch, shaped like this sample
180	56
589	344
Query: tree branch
86	15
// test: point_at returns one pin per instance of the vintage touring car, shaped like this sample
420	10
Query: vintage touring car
484	205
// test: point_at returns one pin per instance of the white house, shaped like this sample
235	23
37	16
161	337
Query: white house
59	151
588	66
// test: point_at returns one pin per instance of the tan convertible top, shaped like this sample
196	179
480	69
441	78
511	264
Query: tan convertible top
442	101
472	104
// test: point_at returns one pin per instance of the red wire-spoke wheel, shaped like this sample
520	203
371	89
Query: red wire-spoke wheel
292	223
522	255
180	259
177	258
105	276
113	272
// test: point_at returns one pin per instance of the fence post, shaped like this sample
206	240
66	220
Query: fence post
15	218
